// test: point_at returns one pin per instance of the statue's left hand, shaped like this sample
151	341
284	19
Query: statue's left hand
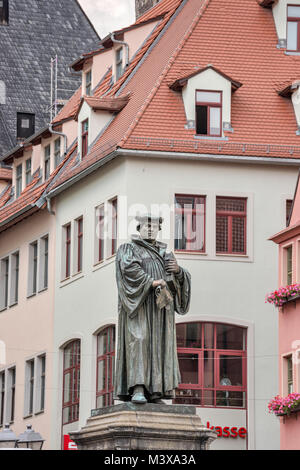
172	266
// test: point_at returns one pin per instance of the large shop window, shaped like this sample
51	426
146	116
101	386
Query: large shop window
231	225
190	223
71	382
105	367
212	361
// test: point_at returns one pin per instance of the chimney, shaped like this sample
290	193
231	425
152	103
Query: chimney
141	6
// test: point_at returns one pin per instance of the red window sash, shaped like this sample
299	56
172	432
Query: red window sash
114	228
73	371
84	139
230	215
68	248
108	359
79	243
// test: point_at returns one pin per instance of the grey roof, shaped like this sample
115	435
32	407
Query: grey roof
37	31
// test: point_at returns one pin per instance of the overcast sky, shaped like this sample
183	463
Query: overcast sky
109	15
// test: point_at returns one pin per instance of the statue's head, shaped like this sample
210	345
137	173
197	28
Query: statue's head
149	226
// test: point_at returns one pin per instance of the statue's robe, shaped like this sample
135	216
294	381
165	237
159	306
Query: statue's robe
146	351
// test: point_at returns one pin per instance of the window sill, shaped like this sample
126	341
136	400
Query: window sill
210	137
103	263
28	416
29	296
13	305
43	290
3	309
70	280
39	412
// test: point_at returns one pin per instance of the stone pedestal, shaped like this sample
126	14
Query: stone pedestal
144	427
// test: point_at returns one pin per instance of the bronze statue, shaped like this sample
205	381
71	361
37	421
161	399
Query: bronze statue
151	288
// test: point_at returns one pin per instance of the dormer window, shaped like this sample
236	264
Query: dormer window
88	83
25	125
293	28
209	113
119	63
47	153
19	171
4	12
84	137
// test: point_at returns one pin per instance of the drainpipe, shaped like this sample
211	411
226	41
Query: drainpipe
49	208
112	36
62	134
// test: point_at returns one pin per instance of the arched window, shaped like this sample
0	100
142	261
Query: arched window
105	367
71	382
212	361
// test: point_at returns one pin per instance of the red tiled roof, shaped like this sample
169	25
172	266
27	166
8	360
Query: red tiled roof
112	104
239	38
31	194
70	108
5	174
160	9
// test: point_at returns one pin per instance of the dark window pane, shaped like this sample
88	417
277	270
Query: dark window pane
231	371
25	125
232	399
188	397
238	234
189	335
222	234
188	365
201	120
230	337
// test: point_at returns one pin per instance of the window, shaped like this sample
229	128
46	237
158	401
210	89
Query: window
289	365
33	268
212	361
71	382
2	397
41	379
28	171
57	152
231	225
11	394
79	229
4	284
105	367
289	265
47	152
14	282
29	387
293	28
88	83
84	137
44	262
113	203
100	233
119	63
67	251
288	210
25	125
3	12
209	113
19	170
190	223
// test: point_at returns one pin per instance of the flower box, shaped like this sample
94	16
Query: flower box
284	406
283	295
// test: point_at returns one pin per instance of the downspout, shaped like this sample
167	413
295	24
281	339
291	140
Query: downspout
123	43
49	208
62	134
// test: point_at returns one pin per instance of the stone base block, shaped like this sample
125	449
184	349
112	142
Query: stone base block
144	427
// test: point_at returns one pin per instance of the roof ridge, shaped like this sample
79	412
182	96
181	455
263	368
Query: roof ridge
166	69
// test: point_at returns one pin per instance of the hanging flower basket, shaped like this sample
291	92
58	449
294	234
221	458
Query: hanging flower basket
284	294
282	406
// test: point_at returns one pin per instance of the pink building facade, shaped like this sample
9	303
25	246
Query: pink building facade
288	241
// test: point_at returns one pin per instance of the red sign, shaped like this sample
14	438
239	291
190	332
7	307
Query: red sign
69	444
228	431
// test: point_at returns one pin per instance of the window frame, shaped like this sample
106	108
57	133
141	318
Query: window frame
114	225
230	215
79	239
293	19
67	248
57	152
84	137
47	161
119	62
200	351
19	179
2	397
100	232
181	211
209	105
88	82
108	357
4	20
28	176
74	368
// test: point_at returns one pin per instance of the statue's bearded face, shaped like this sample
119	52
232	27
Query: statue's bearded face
149	230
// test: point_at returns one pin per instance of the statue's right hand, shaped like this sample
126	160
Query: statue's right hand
159	282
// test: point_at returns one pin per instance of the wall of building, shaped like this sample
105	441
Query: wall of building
88	301
27	327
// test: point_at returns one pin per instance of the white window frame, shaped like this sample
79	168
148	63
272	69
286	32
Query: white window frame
10	286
